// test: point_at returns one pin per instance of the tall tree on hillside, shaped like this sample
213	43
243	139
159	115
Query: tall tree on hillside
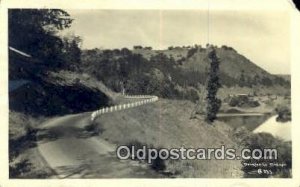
242	80
72	52
34	31
213	84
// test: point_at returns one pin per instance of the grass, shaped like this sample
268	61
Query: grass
24	159
68	77
167	124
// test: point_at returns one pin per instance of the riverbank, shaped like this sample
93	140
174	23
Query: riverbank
278	129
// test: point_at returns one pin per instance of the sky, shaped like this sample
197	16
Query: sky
261	36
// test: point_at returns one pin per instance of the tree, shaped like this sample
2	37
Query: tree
256	79
125	51
137	47
72	52
213	84
34	32
242	80
191	52
267	81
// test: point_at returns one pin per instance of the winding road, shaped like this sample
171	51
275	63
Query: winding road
72	152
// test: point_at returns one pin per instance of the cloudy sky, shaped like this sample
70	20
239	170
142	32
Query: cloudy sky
261	36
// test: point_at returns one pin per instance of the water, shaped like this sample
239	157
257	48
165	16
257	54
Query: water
250	121
259	123
277	129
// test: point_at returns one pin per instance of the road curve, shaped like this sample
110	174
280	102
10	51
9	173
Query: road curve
143	99
72	152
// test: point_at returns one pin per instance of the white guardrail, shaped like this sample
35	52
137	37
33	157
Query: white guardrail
147	99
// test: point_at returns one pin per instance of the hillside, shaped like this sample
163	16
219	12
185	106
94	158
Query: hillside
232	66
167	124
285	77
232	63
181	70
176	53
51	96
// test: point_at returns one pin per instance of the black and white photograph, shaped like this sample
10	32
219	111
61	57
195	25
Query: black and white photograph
149	93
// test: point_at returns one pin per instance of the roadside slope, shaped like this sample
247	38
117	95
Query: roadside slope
166	124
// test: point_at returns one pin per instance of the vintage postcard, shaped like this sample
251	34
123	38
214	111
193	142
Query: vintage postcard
154	93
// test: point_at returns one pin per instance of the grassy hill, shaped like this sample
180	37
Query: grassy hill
232	63
232	66
167	124
285	77
178	72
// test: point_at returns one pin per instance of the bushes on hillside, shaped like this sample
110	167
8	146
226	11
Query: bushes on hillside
157	164
191	52
284	113
19	169
141	75
242	101
192	95
262	141
72	52
137	74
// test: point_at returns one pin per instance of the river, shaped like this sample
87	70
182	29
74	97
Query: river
277	129
259	123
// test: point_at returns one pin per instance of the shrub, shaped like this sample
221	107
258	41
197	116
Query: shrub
193	95
94	128
284	114
19	168
238	101
157	164
191	52
262	141
254	104
234	102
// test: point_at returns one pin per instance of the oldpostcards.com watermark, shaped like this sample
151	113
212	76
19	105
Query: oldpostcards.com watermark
149	154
